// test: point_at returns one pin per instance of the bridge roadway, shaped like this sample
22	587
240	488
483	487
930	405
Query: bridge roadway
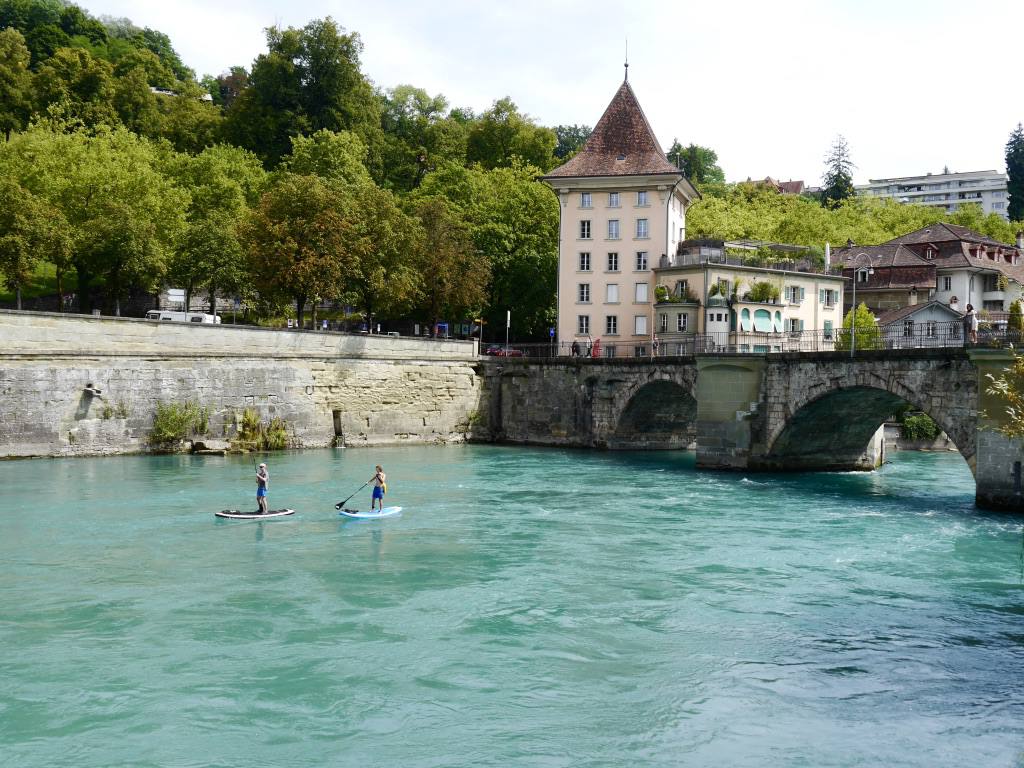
775	412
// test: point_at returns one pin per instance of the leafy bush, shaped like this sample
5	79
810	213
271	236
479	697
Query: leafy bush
254	435
660	293
176	422
763	291
918	426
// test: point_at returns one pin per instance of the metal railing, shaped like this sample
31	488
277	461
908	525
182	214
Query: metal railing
795	265
898	336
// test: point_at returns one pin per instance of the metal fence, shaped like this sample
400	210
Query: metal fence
891	337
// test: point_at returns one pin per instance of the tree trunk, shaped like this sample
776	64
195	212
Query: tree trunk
188	296
300	305
84	296
213	300
314	313
60	290
17	290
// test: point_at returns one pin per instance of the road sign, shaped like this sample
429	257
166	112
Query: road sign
551	332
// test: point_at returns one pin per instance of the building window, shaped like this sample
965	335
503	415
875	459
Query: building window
640	325
585	200
641	229
828	330
613	262
584	261
908	328
640	293
794	294
641	197
639	351
662	323
932	329
828	297
946	281
682	289
681	322
613	229
641	261
794	324
613	199
997	206
612	293
585	229
584	293
863	275
611	325
583	324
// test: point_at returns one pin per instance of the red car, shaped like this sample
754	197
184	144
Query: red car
498	351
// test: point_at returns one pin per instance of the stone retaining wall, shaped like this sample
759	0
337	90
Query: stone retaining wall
328	387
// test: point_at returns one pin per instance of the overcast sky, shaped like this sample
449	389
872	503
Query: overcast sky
913	85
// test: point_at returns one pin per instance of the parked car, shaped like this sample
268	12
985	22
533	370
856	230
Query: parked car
182	317
496	350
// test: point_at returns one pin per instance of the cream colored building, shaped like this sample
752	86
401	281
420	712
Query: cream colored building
707	299
623	206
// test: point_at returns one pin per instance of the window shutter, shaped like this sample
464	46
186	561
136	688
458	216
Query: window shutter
821	295
801	325
803	293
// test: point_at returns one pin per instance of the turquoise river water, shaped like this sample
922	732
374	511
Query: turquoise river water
530	607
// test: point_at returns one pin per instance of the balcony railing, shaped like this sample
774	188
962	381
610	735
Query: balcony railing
699	259
892	337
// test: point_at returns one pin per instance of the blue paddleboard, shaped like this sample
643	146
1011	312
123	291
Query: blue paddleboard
356	514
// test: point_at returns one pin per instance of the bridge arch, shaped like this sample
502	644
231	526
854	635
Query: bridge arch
658	414
832	428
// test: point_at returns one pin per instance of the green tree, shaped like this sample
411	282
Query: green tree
453	276
700	164
513	221
308	80
418	136
837	183
298	242
503	134
224	183
15	82
868	335
1015	323
571	139
81	86
125	214
31	231
336	157
384	244
1009	388
1015	172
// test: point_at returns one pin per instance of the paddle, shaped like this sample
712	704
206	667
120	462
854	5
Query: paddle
341	504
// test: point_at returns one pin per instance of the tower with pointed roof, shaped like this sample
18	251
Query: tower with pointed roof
622	207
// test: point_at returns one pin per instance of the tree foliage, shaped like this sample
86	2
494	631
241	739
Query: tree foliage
1015	172
837	182
15	82
503	135
1008	387
860	330
31	231
308	80
699	164
298	243
571	139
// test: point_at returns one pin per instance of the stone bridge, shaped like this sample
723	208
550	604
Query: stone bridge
779	412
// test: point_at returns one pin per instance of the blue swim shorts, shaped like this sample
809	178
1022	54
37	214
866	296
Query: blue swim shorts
378	492
261	492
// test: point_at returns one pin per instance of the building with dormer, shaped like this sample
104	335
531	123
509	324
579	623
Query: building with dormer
622	207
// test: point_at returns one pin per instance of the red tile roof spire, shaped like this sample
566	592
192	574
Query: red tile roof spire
622	144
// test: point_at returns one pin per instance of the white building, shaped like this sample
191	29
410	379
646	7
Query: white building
947	191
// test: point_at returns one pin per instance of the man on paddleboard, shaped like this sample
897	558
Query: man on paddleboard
380	487
262	478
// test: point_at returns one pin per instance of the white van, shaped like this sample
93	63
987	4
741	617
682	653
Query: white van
182	317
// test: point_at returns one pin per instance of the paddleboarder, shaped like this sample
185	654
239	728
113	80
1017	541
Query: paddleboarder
262	479
380	487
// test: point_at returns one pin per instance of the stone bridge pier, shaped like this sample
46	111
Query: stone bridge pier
806	412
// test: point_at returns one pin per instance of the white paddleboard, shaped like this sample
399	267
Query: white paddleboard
234	514
386	512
